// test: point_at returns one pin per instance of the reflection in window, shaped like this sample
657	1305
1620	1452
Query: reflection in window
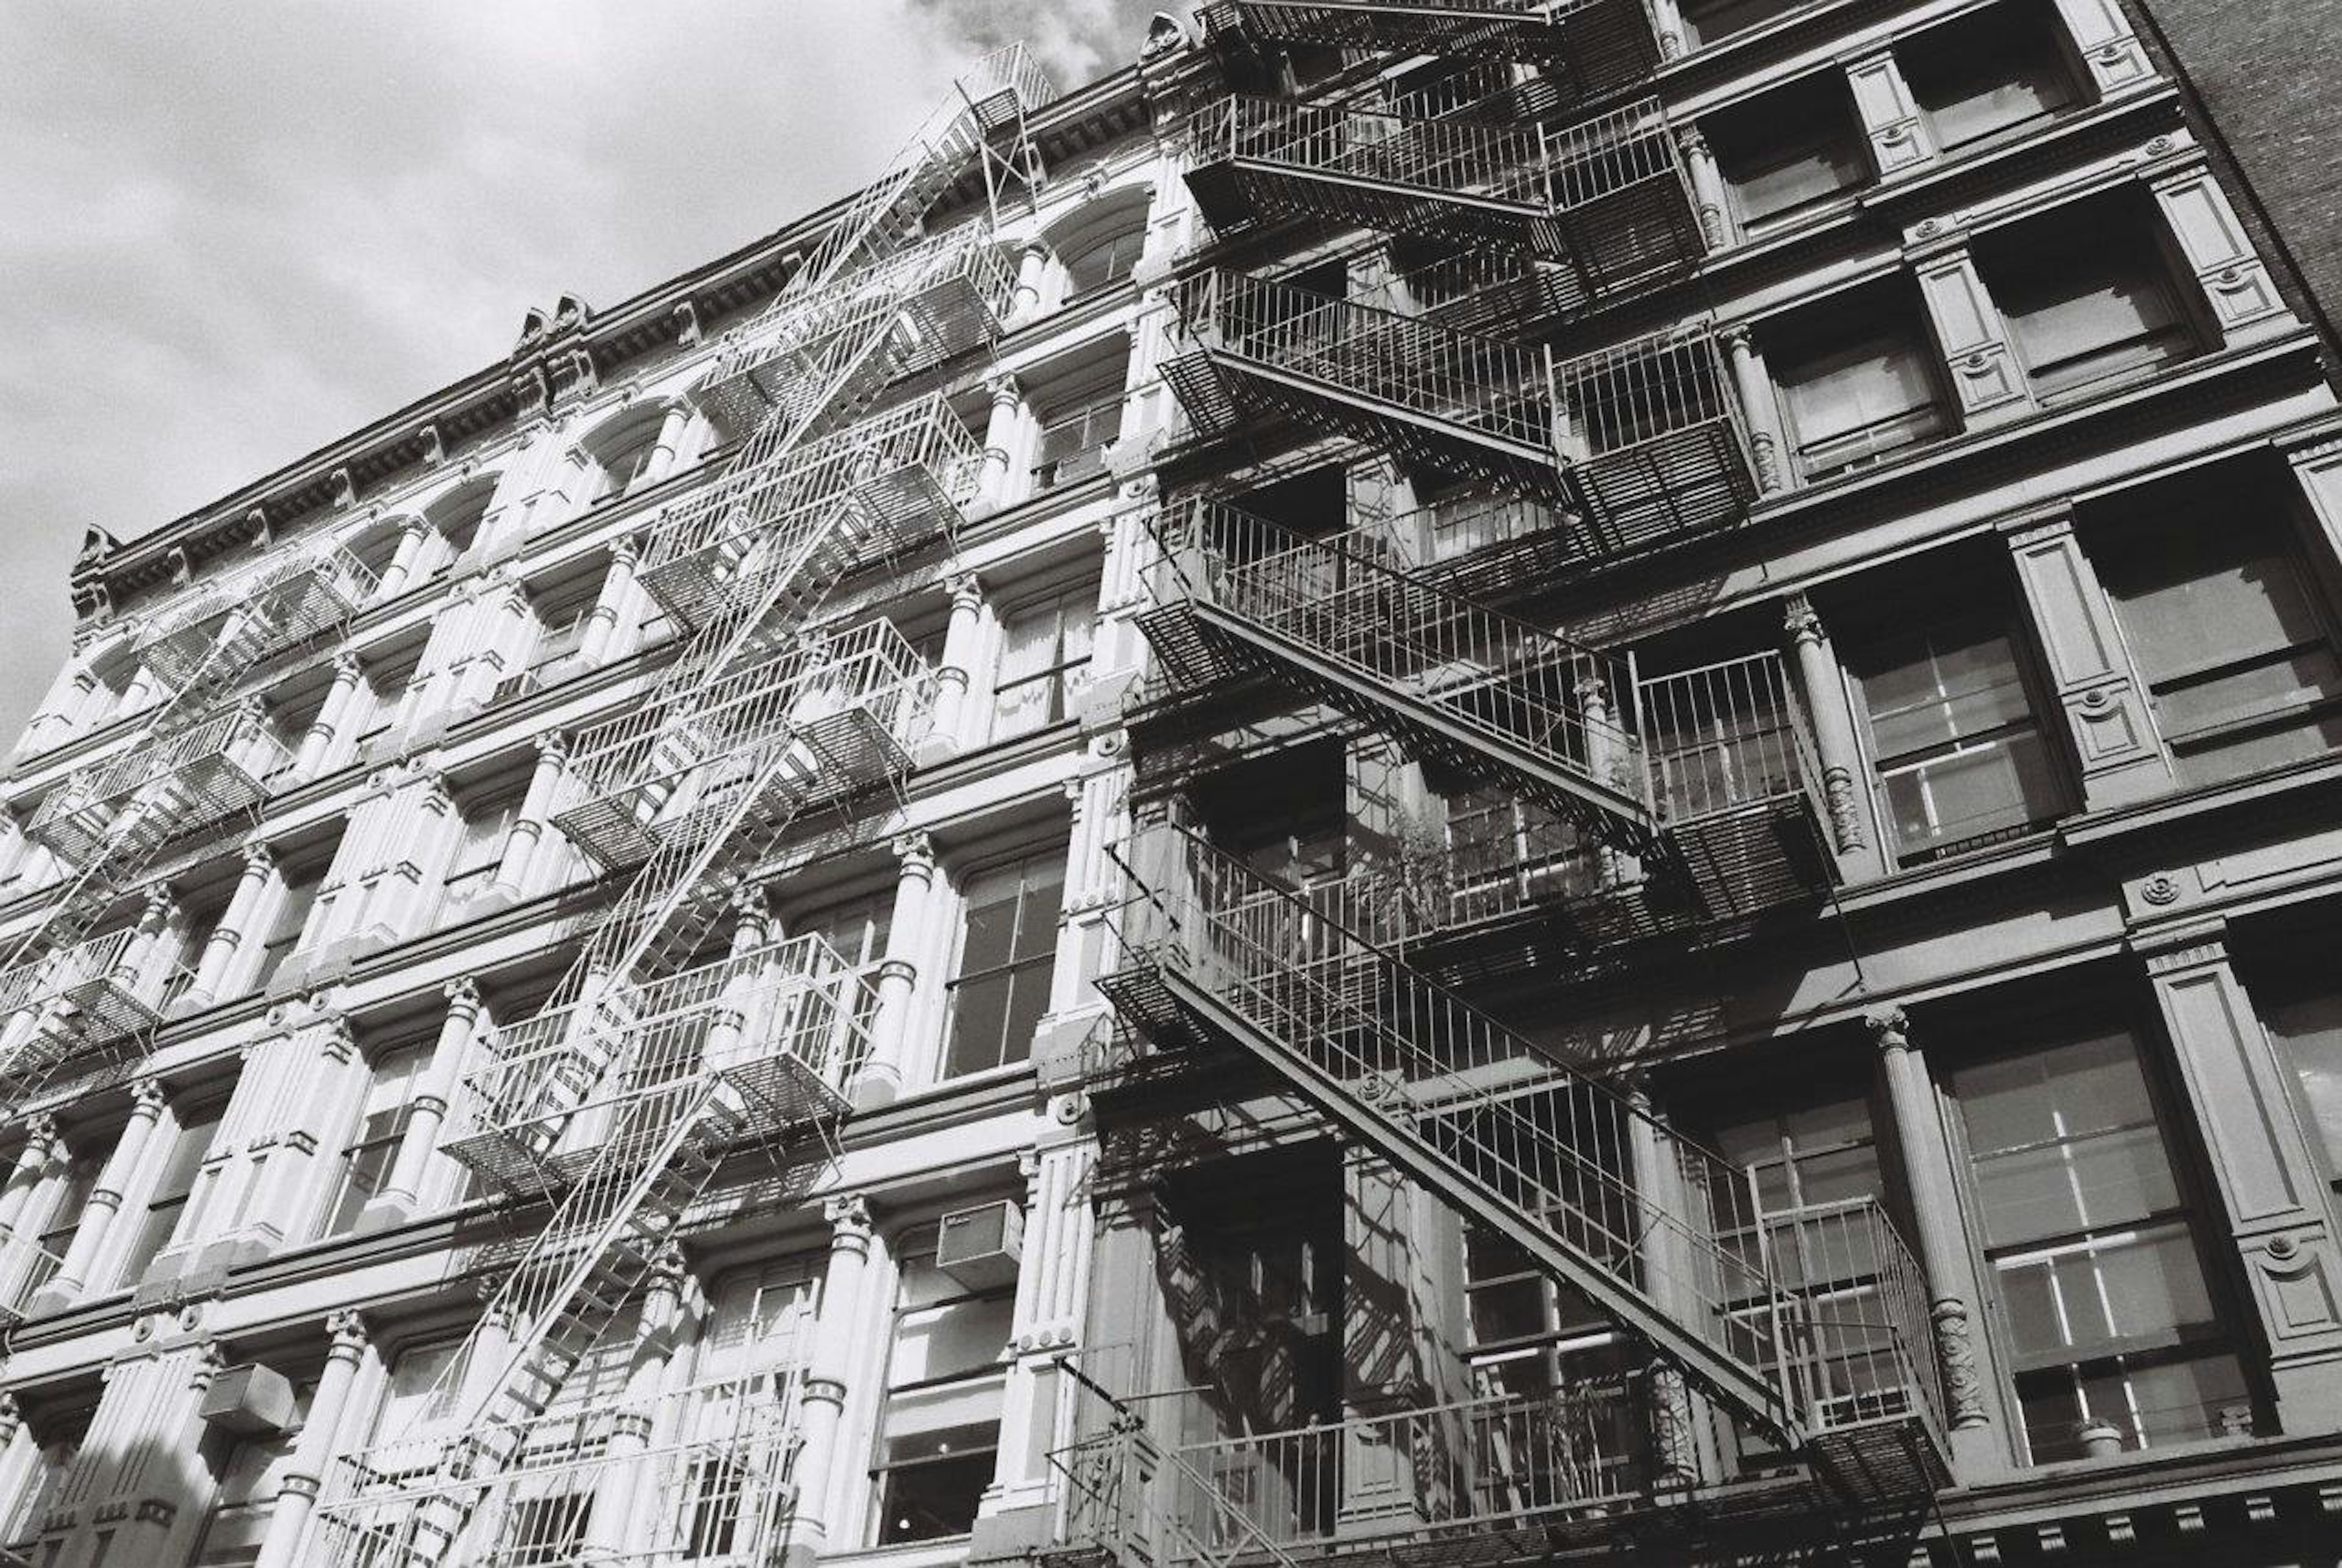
2306	1021
939	1428
2088	1236
1100	262
1957	756
1002	984
2238	660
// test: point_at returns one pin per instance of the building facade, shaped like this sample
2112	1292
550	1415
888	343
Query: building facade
1466	778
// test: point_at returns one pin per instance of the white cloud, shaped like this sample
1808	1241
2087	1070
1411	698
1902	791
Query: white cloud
236	235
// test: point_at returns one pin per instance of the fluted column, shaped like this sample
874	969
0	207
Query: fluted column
296	1492
21	1469
401	1193
993	485
155	917
1823	694
333	718
41	1146
1706	187
413	535
668	447
1032	265
1944	1256
245	908
879	1079
1758	410
838	1343
962	633
55	720
511	879
610	1522
602	622
105	1200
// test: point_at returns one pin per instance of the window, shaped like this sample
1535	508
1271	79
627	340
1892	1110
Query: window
1041	646
1706	22
186	1144
939	1428
858	931
1991	74
1504	852
57	1230
1096	263
296	899
1956	753
2304	1021
1005	958
1789	151
563	612
623	465
2088	1234
2238	657
1860	397
740	1412
486	828
2088	298
1074	443
373	1142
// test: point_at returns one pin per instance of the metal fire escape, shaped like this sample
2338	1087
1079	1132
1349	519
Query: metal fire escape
192	765
1589	47
619	1100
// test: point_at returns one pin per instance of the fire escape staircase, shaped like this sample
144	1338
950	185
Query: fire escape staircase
1343	620
576	1275
1654	1230
1587	47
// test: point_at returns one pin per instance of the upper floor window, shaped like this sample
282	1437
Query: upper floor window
296	900
623	462
1789	151
1857	385
1074	441
1103	259
939	1426
2236	652
1007	946
380	1124
2088	298
1042	645
1956	753
1706	22
1990	74
2089	1237
184	1148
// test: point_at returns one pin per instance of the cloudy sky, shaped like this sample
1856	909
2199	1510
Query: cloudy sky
231	232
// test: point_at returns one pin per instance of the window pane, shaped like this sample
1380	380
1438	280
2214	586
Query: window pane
2309	1031
979	1020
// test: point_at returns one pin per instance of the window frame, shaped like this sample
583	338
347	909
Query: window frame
1079	463
914	1242
364	1136
1058	671
1010	968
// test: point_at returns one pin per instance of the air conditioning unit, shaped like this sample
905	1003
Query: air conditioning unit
250	1401
980	1247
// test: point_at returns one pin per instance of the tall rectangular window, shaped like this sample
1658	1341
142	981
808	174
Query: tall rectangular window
1008	945
298	901
487	820
2090	1240
939	1427
1956	755
1074	443
1042	645
373	1144
2304	1018
2238	654
739	1416
185	1146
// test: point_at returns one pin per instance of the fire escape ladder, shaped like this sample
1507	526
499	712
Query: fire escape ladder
1586	48
580	1272
188	765
1344	620
1458	402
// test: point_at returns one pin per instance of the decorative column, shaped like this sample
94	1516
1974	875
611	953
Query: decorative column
609	1523
603	620
1977	1451
1899	143
297	1491
105	1200
1609	758
2106	712
1758	409
1969	332
332	719
512	882
1032	265
42	1146
1667	22
993	487
413	535
2272	1193
245	907
2238	289
666	450
1823	693
2103	42
53	723
879	1079
838	1339
1680	1457
1706	187
21	1470
401	1193
961	636
321	1076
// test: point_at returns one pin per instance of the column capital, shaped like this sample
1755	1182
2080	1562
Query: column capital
463	994
159	906
345	1335
1693	141
348	666
1736	338
916	853
1800	623
42	1140
552	746
1890	1028
850	1229
147	1098
1005	390
2194	945
622	549
1036	249
966	592
12	1416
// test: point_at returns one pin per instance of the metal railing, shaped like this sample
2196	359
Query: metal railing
844	713
1484	385
1621	398
703	1476
1360	142
299	594
194	776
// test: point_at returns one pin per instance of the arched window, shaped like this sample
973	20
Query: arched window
622	459
1100	244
